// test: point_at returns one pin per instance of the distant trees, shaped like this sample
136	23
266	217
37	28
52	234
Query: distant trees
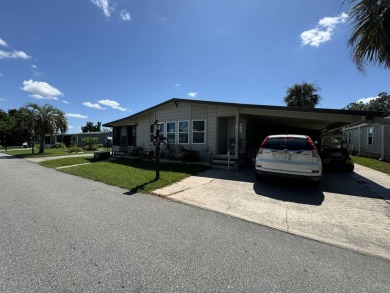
370	39
89	127
302	95
381	104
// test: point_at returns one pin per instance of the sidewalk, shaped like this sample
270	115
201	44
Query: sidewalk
349	210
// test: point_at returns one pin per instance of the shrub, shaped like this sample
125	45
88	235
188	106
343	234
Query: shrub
189	155
99	146
74	149
90	143
58	145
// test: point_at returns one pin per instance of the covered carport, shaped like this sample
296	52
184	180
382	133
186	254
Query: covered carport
266	120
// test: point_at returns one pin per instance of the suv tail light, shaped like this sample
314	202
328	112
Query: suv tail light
262	145
313	147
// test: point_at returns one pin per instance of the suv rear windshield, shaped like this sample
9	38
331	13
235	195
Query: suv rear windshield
289	143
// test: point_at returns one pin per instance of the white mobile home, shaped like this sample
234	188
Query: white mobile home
217	127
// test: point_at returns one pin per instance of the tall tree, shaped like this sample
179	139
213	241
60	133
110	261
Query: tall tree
302	95
45	120
370	38
89	127
6	127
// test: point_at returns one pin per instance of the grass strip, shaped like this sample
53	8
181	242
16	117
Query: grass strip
66	162
380	166
49	152
134	175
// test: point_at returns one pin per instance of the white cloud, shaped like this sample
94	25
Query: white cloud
323	31
14	55
178	84
2	100
36	71
93	105
192	94
105	6
65	102
70	127
113	104
79	116
41	90
125	15
3	43
366	100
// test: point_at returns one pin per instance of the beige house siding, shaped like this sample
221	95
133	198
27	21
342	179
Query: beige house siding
181	112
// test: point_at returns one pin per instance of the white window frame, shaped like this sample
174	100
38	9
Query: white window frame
372	135
178	132
193	131
175	133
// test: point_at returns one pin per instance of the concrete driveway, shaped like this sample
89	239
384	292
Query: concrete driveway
350	210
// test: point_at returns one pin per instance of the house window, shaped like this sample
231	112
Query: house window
153	132
370	136
198	131
183	131
123	136
171	132
131	136
116	135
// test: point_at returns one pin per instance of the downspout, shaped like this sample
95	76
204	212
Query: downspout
360	139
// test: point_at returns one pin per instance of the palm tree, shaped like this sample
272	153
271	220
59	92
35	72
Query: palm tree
45	120
370	39
302	95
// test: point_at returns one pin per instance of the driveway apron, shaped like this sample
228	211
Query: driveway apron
350	210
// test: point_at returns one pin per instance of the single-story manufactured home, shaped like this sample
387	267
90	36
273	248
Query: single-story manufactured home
370	140
218	127
104	138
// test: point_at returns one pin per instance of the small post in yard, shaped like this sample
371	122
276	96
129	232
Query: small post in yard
157	137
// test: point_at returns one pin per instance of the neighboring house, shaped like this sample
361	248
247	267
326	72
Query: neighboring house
216	127
369	140
68	139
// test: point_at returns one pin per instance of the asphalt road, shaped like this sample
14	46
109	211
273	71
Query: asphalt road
60	233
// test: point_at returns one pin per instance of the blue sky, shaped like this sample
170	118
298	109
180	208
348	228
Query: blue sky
102	60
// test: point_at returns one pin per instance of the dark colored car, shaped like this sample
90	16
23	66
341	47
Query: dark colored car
335	153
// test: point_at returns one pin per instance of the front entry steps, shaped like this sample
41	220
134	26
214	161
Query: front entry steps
223	162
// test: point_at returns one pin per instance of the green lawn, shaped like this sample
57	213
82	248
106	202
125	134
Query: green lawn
373	164
134	175
49	152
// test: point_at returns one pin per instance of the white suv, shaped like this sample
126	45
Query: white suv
289	155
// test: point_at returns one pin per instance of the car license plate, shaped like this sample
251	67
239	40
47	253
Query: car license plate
285	156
